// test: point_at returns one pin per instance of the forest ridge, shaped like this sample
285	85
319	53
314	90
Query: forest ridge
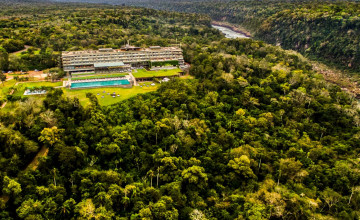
323	30
252	133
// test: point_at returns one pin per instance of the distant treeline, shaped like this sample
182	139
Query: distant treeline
326	30
59	27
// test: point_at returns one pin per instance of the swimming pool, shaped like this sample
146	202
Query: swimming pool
100	83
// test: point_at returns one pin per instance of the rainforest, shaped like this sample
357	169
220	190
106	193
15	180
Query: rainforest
250	130
322	30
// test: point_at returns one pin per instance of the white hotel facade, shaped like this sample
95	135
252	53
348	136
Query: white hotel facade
111	60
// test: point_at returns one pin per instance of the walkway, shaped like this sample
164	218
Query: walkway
25	49
133	79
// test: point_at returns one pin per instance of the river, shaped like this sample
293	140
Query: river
228	32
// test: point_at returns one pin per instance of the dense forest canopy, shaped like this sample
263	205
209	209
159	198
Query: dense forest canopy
52	30
256	135
325	30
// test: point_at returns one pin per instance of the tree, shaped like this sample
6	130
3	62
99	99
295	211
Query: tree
86	209
197	215
241	166
291	169
4	60
50	136
195	176
162	210
330	197
11	187
53	73
48	117
68	207
54	175
30	209
151	174
2	77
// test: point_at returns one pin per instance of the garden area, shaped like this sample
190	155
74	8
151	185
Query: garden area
5	88
99	76
106	98
21	87
143	73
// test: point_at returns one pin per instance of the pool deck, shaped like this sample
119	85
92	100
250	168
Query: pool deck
133	79
130	78
93	87
99	80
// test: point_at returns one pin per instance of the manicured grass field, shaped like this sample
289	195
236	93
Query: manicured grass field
142	73
99	76
81	74
124	93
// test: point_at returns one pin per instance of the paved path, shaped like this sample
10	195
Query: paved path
25	49
133	78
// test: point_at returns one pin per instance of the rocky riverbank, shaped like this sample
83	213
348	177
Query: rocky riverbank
232	27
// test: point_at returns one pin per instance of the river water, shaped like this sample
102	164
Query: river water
228	32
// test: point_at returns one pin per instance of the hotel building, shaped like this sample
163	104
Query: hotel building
117	60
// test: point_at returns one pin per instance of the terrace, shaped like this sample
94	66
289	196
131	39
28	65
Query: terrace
143	74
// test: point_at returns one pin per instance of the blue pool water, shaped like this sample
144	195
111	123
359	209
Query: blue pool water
100	83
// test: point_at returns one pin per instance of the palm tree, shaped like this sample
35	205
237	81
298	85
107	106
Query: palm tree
151	174
54	173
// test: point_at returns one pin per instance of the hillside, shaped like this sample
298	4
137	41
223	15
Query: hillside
323	30
255	134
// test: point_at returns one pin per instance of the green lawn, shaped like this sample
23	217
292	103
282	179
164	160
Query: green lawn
36	52
141	73
81	74
4	88
124	93
99	76
20	88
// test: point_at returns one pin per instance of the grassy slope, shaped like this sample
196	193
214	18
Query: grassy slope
4	88
144	73
108	99
21	86
125	93
100	76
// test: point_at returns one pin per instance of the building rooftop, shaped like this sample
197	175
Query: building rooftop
110	50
